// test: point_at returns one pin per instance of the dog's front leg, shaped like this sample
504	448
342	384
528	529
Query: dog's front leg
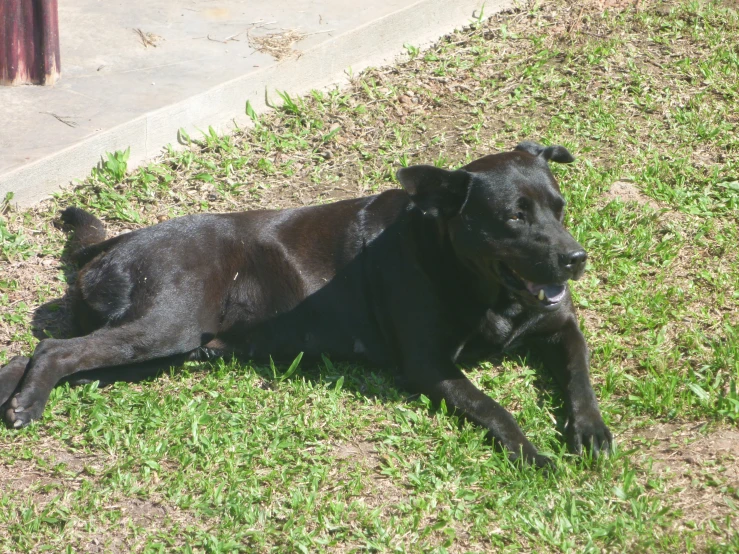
426	345
464	399
565	356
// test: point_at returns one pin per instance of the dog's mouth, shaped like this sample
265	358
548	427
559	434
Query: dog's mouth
550	294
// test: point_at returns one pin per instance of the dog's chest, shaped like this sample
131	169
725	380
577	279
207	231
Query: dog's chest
497	328
505	325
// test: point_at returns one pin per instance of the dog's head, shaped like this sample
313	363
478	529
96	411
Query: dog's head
504	216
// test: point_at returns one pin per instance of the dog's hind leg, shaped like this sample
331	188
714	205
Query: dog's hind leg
10	376
135	373
148	338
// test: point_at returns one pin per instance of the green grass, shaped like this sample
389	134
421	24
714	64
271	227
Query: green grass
227	457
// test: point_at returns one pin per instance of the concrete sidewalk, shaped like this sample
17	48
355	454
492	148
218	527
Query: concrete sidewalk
135	72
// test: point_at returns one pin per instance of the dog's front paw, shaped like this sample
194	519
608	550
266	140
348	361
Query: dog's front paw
591	433
532	457
22	409
542	462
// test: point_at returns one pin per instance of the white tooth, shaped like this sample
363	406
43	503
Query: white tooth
542	296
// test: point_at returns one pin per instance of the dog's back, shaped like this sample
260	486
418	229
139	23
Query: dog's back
242	275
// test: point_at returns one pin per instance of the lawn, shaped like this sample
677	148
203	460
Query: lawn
233	457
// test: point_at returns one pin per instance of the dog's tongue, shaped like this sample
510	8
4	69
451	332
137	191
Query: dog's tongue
553	293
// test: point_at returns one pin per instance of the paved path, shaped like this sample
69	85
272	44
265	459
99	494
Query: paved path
136	71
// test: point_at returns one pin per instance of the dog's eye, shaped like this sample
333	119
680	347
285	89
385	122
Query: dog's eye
518	216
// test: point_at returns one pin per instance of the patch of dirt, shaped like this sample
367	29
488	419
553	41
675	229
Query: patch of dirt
362	456
702	469
384	494
57	471
626	191
54	464
362	452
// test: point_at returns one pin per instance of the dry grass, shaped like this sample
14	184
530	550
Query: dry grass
278	45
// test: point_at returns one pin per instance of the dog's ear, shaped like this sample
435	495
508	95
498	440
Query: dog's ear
434	190
554	153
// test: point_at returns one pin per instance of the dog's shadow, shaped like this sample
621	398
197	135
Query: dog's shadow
382	384
54	319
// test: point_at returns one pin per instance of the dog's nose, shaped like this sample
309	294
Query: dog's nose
575	261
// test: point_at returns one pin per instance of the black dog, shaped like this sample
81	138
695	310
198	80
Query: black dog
457	266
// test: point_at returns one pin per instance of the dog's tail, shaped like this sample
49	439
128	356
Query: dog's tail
88	229
89	234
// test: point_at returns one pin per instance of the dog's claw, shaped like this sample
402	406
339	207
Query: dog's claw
544	462
18	419
590	434
535	459
20	412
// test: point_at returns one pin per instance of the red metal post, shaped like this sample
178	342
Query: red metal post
29	42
